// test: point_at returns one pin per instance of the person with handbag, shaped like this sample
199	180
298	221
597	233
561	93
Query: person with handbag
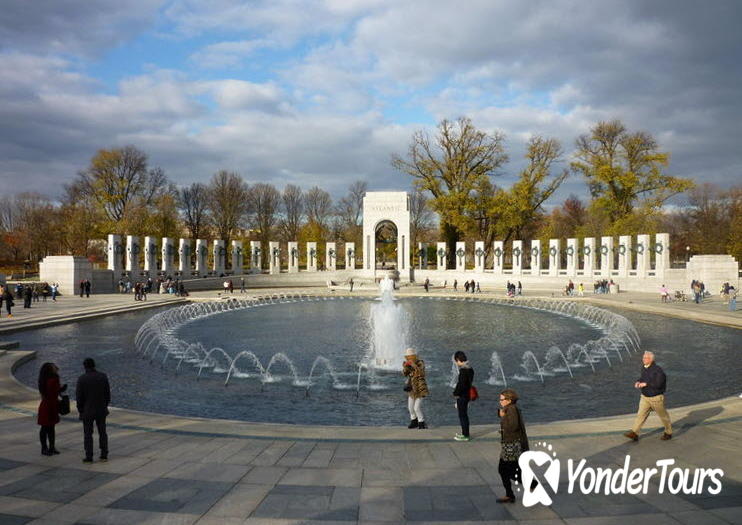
514	442
462	393
416	387
48	413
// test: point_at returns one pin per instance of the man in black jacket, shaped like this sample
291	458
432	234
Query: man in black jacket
652	384
93	394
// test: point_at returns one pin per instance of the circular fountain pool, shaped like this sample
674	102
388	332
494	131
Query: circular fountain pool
312	360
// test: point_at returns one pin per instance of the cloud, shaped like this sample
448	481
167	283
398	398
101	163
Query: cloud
336	86
75	28
227	54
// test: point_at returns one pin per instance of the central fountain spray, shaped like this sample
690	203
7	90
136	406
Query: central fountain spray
389	326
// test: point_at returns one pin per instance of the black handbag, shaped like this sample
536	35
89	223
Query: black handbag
64	405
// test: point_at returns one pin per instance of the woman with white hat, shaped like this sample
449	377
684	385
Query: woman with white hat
416	388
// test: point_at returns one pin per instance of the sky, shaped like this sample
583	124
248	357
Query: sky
323	92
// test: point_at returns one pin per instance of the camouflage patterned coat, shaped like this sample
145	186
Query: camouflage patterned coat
416	375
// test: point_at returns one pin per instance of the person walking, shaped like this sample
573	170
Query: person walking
732	299
93	395
48	413
514	441
242	285
82	288
426	285
417	388
87	288
350	283
55	290
461	393
652	383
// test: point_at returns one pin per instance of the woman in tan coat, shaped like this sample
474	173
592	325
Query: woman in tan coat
416	388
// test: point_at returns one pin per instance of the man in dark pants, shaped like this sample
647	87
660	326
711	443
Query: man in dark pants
87	288
93	394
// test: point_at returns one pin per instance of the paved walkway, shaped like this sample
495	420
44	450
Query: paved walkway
173	470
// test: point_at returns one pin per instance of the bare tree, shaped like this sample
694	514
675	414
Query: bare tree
319	207
421	217
293	212
264	202
228	203
350	207
193	202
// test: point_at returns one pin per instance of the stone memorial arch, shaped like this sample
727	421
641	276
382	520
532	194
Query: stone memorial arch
388	211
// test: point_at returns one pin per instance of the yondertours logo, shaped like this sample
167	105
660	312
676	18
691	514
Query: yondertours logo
540	471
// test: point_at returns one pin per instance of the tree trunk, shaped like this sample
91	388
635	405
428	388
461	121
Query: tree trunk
451	235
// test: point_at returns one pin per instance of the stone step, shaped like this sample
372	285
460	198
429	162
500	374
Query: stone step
8	345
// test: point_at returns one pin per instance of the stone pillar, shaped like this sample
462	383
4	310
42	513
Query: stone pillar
588	256
184	258
642	255
293	256
518	257
460	256
312	256
422	255
350	256
256	257
132	256
168	255
237	258
274	249
555	259
606	257
624	255
220	257
440	256
115	255
479	256
331	256
573	257
202	255
498	257
535	257
150	255
661	254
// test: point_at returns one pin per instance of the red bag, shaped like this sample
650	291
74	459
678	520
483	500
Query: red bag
473	393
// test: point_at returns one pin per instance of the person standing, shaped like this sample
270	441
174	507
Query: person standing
48	413
417	388
55	290
87	288
92	395
514	442
427	285
652	383
461	393
242	285
8	299
455	285
82	288
732	299
350	283
27	296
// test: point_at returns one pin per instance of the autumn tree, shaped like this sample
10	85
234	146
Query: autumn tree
228	203
516	212
452	166
625	171
121	184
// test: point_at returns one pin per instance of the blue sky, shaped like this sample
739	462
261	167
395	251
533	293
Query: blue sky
323	92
